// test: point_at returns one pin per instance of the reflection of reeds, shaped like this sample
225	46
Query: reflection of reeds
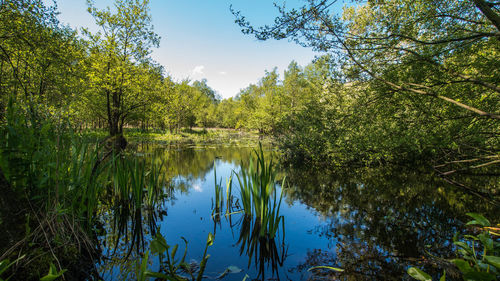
262	250
218	200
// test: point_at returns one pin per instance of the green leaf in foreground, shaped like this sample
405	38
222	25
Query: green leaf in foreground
419	274
443	278
493	260
478	219
53	274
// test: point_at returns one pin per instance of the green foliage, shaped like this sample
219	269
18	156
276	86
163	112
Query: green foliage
53	273
479	255
259	196
419	274
62	180
169	266
402	81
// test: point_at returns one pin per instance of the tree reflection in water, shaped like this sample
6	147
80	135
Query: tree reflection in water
382	220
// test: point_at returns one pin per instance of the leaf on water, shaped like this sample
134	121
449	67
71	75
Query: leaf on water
326	267
419	274
234	269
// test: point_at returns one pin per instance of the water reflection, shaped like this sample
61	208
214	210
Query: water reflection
266	253
381	220
372	222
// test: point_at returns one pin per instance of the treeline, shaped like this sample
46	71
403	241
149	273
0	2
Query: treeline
399	81
96	80
402	81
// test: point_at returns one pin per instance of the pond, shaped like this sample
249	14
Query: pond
371	222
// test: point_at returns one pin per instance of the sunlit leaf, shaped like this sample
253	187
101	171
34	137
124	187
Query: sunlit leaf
326	267
478	220
419	274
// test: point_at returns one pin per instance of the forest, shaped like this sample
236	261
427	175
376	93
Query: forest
398	85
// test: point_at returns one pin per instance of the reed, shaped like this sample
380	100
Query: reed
218	200
259	196
63	181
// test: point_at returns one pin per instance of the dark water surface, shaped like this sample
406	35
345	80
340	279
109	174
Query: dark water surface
372	222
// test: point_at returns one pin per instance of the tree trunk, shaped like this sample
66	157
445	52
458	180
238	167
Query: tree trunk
116	140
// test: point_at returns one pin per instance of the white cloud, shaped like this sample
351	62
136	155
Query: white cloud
197	188
198	69
223	73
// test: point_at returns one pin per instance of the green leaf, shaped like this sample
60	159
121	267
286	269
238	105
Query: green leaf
478	220
464	246
419	274
174	251
53	274
471	237
443	277
159	244
486	241
462	265
479	276
4	265
493	260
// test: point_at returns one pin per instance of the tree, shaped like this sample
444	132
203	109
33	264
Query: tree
38	58
118	55
414	79
206	90
434	35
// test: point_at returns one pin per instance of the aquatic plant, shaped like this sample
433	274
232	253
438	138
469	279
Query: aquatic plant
169	267
60	181
259	195
133	196
218	200
479	255
261	221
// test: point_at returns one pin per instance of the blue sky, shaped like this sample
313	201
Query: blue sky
199	39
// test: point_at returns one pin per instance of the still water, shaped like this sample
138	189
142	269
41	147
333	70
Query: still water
371	222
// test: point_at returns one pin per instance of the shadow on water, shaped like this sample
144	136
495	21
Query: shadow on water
372	222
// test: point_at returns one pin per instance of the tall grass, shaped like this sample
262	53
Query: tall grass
60	182
134	192
51	181
259	195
